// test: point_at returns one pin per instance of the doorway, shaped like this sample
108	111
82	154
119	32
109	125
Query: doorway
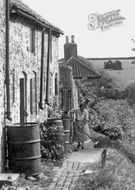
23	99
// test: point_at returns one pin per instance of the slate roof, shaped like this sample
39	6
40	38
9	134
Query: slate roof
82	68
18	5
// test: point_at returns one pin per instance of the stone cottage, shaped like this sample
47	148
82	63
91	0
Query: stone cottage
29	73
68	89
73	67
80	65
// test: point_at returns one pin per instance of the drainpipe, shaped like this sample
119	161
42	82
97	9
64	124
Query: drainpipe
7	69
48	64
42	69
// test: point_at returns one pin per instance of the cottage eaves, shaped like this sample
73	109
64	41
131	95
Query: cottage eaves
18	7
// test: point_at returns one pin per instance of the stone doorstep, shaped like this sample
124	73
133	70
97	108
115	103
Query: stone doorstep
9	178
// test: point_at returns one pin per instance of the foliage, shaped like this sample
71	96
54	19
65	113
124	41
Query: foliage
87	90
110	88
130	94
50	146
114	118
110	117
48	172
117	174
54	110
117	114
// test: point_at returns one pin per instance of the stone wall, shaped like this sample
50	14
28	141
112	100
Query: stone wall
68	89
23	60
23	63
54	67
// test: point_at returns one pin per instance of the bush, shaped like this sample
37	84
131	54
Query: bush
113	118
130	94
118	174
50	147
110	88
87	90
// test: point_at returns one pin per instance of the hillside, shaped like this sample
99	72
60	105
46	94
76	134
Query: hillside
124	76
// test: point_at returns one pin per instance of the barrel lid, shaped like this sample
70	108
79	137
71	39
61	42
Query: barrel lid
29	124
53	119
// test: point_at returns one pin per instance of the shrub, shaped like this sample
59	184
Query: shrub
110	88
130	94
50	147
54	110
87	90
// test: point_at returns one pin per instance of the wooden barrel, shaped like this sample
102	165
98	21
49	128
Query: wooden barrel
66	124
24	154
60	133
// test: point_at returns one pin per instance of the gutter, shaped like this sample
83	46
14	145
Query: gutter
7	69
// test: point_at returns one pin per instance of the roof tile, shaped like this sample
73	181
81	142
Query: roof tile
82	68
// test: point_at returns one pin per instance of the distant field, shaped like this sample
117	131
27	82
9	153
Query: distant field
124	76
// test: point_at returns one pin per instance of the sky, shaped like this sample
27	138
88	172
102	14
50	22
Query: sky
72	17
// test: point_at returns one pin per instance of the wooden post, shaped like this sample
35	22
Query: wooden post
103	158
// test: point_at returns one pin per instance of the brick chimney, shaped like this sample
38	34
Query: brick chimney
73	39
70	49
67	39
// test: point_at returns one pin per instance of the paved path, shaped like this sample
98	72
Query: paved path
73	167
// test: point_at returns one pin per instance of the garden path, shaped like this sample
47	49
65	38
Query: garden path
73	167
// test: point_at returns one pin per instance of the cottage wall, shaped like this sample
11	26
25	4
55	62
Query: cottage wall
2	78
54	67
24	62
68	89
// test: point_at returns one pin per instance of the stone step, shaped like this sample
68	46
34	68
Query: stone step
9	178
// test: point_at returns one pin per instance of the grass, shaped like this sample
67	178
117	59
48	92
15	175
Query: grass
48	169
124	76
118	174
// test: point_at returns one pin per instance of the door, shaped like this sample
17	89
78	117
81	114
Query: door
23	101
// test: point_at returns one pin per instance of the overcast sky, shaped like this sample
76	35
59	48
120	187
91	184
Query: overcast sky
72	17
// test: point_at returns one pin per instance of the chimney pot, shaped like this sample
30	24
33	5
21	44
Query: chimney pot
72	39
67	39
